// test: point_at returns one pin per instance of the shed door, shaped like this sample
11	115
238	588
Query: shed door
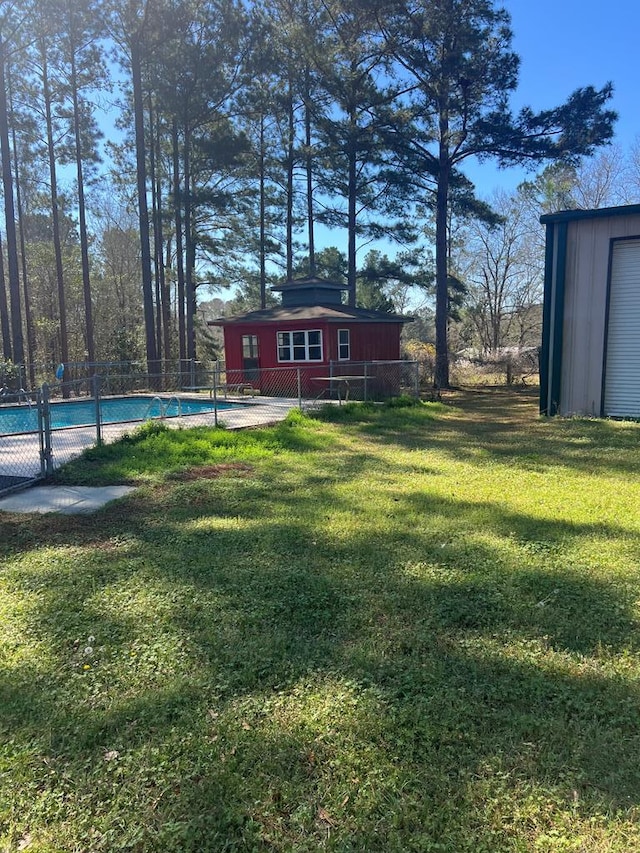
622	368
250	357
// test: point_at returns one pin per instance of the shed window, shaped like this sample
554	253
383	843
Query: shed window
300	346
344	345
250	346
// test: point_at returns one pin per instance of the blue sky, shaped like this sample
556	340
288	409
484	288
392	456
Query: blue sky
565	44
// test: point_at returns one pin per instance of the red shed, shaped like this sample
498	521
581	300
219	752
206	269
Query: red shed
311	329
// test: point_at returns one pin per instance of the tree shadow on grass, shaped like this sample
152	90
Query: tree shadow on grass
503	425
250	667
463	675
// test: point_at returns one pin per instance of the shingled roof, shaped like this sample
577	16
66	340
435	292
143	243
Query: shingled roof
330	314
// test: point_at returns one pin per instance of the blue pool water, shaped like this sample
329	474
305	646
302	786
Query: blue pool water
113	410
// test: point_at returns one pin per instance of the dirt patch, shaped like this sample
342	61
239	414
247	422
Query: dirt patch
210	472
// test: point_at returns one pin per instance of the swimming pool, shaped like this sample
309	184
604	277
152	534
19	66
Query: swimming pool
113	410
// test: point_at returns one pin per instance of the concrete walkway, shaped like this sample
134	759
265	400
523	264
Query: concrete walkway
68	500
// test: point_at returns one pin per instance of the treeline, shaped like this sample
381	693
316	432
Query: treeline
241	128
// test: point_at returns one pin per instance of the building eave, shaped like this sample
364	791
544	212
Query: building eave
316	313
308	283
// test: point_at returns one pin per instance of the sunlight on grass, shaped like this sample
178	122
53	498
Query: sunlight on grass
385	629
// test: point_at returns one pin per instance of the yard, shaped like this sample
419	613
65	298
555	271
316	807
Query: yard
384	629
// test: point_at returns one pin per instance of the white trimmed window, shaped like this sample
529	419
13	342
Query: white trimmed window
344	345
300	346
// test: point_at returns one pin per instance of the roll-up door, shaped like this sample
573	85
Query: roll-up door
622	365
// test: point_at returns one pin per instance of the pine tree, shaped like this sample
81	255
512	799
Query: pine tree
83	69
456	58
129	26
11	24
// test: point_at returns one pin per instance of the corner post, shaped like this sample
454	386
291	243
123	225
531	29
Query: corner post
46	451
95	382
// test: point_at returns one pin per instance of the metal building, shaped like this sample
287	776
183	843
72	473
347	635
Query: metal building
590	357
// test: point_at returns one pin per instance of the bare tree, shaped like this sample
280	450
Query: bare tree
600	180
504	275
632	174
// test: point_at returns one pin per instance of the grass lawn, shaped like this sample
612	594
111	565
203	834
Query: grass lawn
384	629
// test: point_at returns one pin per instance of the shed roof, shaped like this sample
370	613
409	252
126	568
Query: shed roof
329	314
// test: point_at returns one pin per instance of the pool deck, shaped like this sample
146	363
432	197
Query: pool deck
20	454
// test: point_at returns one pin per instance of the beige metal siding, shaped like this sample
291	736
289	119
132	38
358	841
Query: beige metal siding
587	269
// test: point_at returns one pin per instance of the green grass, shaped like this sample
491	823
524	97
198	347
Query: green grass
406	628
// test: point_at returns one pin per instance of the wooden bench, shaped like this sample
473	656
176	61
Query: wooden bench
237	388
233	387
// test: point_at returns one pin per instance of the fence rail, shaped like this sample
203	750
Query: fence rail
41	430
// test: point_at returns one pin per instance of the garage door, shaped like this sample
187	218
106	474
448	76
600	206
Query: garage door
622	367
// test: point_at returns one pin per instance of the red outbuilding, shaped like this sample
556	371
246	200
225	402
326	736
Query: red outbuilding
311	330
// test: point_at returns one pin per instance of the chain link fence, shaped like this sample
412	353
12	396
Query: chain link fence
41	430
13	377
21	436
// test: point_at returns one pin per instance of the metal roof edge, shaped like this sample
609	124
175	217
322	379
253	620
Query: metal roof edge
596	213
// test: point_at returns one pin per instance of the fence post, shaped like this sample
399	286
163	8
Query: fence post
44	428
299	389
366	376
95	382
215	403
416	380
40	404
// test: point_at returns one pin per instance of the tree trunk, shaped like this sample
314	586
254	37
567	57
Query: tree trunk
309	169
190	253
9	211
55	211
290	166
441	378
143	210
157	247
31	332
442	289
4	312
351	212
165	296
82	216
263	247
177	203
